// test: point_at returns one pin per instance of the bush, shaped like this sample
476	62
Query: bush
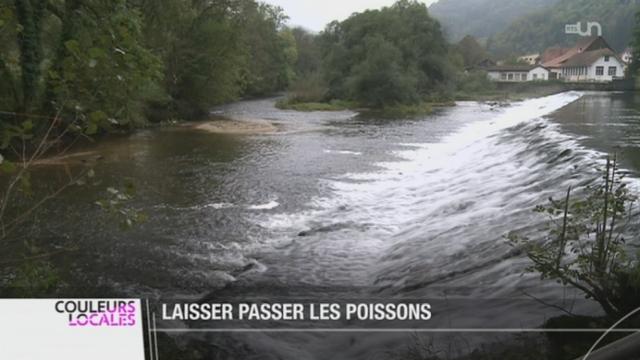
586	245
334	105
475	81
309	88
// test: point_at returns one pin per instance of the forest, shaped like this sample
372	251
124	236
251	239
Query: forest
515	28
396	55
542	29
482	18
118	64
106	65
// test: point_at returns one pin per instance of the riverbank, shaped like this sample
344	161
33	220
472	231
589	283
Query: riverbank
334	105
239	124
400	110
507	92
512	91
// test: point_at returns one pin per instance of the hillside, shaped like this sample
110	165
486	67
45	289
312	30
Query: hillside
545	28
482	18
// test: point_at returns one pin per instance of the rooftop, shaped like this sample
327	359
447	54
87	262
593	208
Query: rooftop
513	68
585	44
589	57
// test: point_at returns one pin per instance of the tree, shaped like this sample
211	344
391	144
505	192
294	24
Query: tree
472	52
82	60
380	80
635	42
271	47
102	72
397	52
215	52
201	47
308	51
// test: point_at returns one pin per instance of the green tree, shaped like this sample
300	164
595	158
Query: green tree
272	53
635	42
397	53
102	73
471	50
380	80
308	52
216	52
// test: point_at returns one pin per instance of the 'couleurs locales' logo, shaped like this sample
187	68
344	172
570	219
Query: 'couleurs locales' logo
98	313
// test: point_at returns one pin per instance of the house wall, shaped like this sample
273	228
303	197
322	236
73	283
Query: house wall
538	74
494	75
572	74
613	62
509	76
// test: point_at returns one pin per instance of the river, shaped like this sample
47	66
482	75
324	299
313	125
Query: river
373	207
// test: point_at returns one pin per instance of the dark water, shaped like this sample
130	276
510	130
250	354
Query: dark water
385	207
607	123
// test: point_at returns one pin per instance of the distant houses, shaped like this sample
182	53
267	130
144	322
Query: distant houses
518	73
590	60
531	59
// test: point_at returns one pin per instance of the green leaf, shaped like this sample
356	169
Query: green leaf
27	125
92	128
7	167
96	53
97	116
72	46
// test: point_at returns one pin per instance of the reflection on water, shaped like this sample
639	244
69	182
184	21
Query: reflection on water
608	122
396	207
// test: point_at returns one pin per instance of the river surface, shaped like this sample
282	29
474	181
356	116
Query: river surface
373	207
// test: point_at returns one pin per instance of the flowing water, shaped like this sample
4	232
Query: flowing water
384	208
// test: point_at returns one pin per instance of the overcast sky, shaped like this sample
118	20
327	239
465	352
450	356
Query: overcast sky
315	14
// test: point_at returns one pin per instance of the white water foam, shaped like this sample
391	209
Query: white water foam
386	222
343	152
268	206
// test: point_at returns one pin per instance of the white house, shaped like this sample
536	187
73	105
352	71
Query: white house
539	73
517	73
590	60
506	73
601	65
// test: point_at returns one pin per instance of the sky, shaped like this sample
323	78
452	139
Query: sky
315	14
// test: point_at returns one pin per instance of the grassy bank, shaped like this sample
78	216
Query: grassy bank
334	105
510	91
399	110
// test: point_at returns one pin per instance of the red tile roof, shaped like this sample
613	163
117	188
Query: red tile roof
586	44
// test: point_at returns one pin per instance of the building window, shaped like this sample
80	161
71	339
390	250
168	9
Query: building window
523	77
606	58
535	76
510	76
599	70
613	71
503	76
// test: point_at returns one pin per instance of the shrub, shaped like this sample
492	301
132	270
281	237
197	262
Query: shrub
586	245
